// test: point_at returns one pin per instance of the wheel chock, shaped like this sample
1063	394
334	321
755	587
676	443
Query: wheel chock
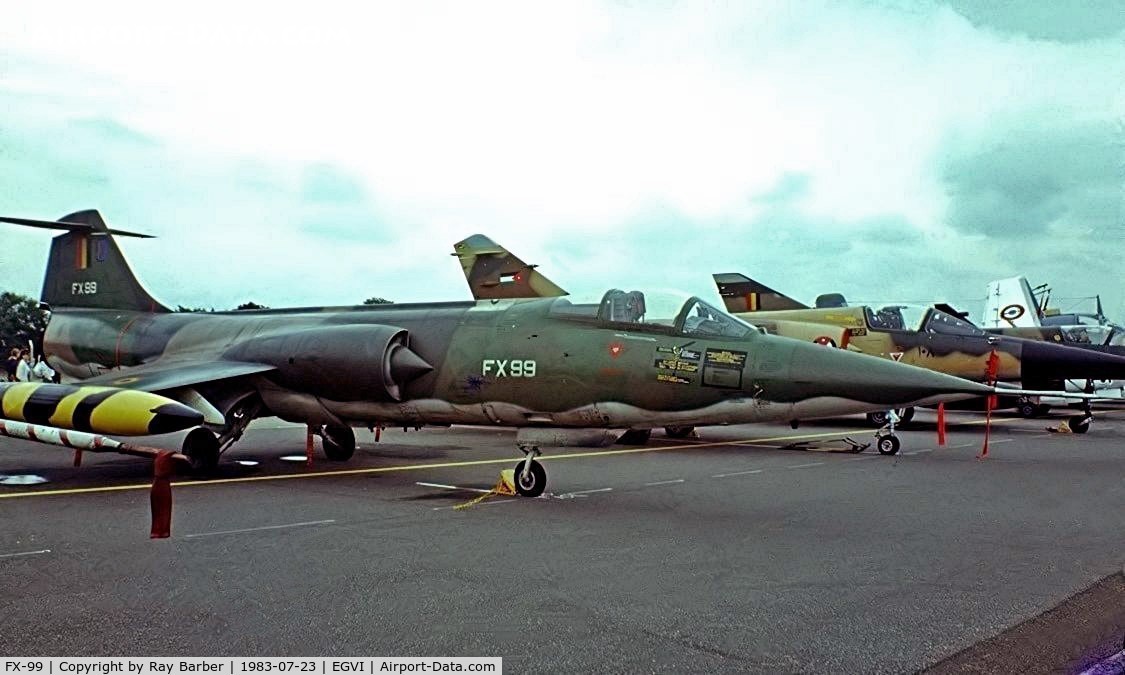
1062	428
506	486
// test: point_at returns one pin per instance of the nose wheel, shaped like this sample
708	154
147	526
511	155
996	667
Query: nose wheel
888	444
885	440
530	476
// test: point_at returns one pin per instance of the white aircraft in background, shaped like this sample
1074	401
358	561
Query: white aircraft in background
1013	307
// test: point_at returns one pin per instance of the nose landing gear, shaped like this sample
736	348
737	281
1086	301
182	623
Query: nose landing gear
531	477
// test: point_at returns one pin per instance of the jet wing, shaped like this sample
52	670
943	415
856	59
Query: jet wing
161	376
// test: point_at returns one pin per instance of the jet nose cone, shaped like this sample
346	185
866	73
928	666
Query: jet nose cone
1041	361
173	416
859	377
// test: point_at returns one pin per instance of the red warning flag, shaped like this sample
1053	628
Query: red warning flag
941	423
993	368
163	466
990	403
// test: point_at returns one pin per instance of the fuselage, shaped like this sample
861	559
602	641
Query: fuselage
932	339
544	362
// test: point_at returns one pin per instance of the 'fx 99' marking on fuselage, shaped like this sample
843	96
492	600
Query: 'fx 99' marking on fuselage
508	367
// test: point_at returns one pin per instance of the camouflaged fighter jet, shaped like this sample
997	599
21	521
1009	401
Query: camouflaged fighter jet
922	336
494	272
562	371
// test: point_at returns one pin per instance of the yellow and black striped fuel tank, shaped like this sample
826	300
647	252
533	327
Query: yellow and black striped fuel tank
102	410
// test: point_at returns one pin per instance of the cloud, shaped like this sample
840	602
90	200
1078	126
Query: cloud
1028	175
300	159
1070	21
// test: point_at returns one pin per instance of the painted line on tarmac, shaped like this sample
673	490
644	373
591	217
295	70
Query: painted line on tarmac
918	452
259	529
450	487
805	466
577	493
25	553
410	467
665	482
737	473
444	465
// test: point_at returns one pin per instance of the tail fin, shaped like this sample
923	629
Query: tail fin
493	272
743	294
86	268
1011	302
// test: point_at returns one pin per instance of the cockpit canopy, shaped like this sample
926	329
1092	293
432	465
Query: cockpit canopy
919	318
662	311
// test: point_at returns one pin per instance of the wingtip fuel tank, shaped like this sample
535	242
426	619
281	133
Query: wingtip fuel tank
101	410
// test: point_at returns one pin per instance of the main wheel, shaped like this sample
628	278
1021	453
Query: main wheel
202	450
635	437
1079	424
888	445
678	432
532	482
877	419
1027	409
338	442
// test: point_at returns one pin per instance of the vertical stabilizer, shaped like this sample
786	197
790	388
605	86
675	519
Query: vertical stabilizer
87	269
1011	302
494	273
742	294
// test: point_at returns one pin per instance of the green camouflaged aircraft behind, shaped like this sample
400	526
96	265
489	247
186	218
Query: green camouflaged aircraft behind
921	336
563	372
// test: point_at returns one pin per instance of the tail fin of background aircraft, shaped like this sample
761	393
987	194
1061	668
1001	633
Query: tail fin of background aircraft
86	268
743	294
493	272
1011	302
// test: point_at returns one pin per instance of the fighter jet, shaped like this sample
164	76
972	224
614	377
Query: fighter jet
561	370
1014	308
922	336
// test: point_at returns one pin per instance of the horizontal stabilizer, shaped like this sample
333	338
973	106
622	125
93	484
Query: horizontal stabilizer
70	226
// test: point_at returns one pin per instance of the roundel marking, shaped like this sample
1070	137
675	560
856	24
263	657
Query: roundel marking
1012	312
825	341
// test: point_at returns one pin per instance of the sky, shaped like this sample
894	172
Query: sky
295	154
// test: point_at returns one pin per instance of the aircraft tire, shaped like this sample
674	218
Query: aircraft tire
877	419
635	437
534	482
338	442
888	445
678	432
1027	410
202	449
1079	424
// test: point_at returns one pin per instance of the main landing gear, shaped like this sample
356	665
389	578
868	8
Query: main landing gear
882	418
1028	408
338	442
531	477
203	447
